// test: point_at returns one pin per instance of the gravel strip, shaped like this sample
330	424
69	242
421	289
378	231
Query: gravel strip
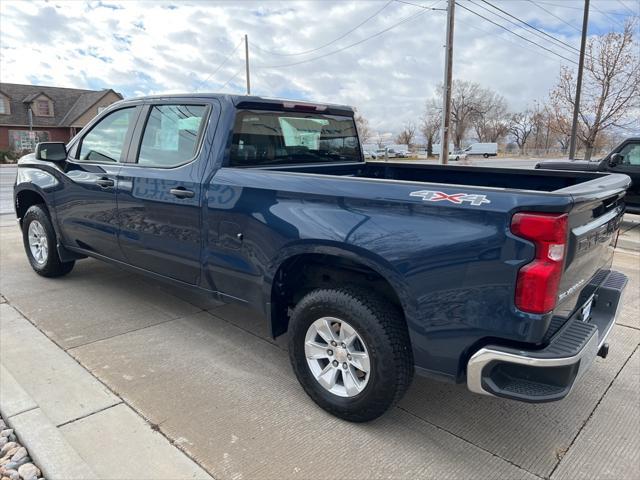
15	462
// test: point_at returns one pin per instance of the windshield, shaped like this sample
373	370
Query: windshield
274	138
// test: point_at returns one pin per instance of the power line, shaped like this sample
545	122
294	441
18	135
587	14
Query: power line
506	39
329	43
230	80
627	8
404	20
517	35
572	7
422	6
555	16
561	6
227	58
524	23
606	14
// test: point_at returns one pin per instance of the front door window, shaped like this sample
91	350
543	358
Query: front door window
106	140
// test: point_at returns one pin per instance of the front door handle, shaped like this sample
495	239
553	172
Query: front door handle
181	192
105	182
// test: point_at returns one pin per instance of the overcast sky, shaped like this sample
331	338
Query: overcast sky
140	48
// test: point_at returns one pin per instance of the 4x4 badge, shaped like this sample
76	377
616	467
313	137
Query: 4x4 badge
433	196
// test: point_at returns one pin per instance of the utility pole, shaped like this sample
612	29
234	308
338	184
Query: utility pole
576	105
246	57
446	94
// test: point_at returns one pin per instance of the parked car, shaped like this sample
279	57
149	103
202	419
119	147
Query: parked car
400	150
485	149
625	158
497	278
457	155
369	154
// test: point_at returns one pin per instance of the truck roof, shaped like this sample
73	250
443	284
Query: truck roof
254	101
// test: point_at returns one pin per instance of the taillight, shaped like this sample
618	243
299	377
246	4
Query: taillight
538	281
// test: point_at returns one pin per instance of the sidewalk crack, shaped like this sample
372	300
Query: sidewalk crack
438	427
584	424
23	411
82	417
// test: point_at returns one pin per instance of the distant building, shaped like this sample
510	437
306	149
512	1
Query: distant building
30	113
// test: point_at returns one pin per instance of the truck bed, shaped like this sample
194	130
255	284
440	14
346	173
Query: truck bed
593	200
504	178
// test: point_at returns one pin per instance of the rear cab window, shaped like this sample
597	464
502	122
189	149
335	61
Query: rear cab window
262	138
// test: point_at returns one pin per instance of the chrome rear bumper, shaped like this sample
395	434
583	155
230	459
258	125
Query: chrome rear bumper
549	374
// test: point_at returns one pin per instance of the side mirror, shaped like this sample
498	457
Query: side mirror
616	159
51	151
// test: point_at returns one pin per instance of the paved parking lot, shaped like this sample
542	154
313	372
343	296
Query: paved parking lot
208	377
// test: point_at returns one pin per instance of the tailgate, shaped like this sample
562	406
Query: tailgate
594	221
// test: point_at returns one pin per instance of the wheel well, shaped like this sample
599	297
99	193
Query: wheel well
26	199
302	273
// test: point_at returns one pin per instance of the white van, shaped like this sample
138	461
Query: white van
485	149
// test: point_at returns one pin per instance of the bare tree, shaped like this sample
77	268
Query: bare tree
491	120
431	122
466	103
610	88
559	124
362	125
407	135
520	128
475	106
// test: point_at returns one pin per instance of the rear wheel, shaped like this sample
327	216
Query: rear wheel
485	155
39	240
351	352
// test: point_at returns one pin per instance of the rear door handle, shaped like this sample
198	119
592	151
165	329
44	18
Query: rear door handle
105	182
181	192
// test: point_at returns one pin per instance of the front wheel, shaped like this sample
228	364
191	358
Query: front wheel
350	352
39	240
485	155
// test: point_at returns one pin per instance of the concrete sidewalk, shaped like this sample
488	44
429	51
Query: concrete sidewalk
158	365
73	426
629	237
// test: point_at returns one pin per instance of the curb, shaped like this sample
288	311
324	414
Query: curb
72	425
37	433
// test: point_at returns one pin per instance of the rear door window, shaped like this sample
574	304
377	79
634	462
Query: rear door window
171	135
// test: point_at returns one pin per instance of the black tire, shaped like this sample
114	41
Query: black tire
485	155
52	266
381	325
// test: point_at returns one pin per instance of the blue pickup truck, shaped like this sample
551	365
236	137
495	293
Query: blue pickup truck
499	278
